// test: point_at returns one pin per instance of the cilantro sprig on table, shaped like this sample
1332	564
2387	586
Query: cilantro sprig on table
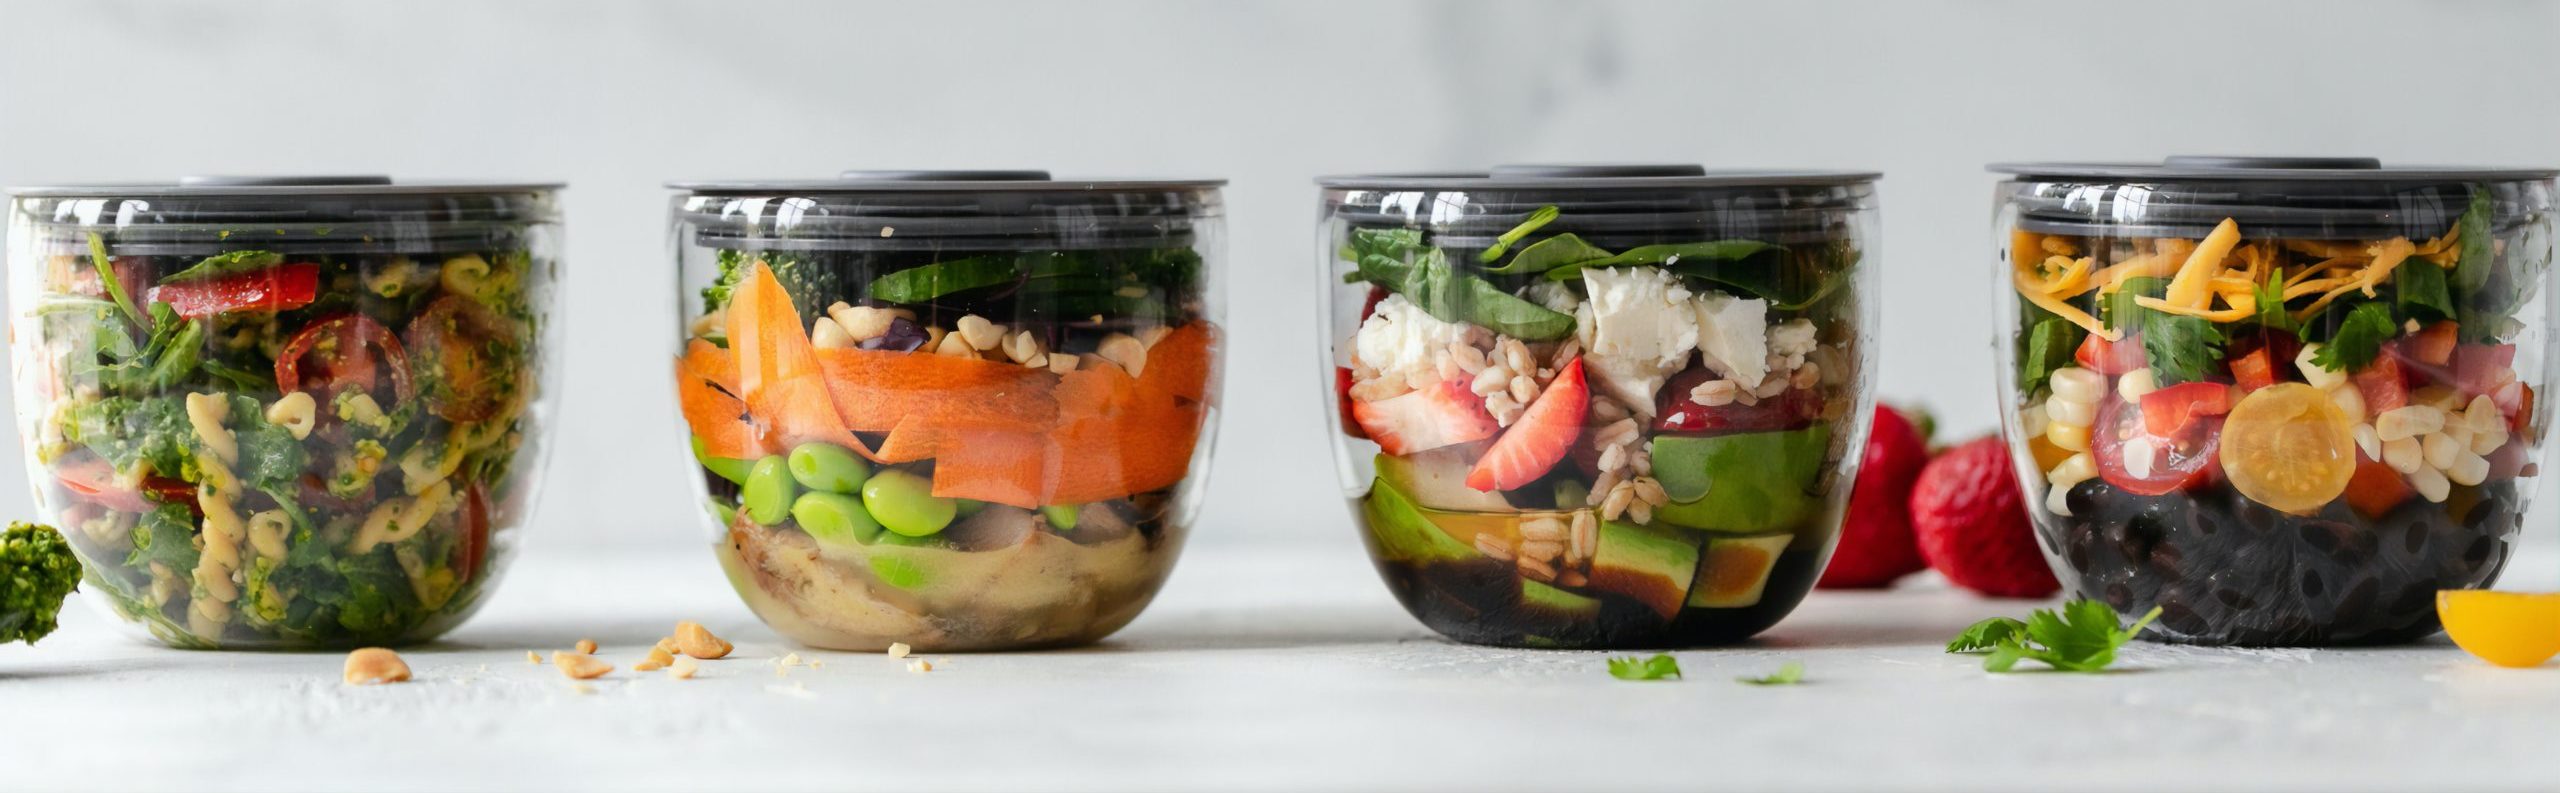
1658	667
2082	637
1788	674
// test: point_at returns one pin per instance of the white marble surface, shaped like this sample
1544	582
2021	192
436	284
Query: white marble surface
1271	667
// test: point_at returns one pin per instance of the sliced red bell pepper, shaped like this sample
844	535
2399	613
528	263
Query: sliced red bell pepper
2383	385
281	288
2113	357
2166	411
2432	345
2254	370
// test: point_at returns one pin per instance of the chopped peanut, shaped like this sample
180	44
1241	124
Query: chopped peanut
586	646
374	665
898	650
579	666
682	669
694	640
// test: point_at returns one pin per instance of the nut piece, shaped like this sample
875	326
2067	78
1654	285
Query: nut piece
579	666
667	644
532	657
682	669
898	649
1125	350
375	665
919	665
864	323
586	646
694	640
658	658
979	333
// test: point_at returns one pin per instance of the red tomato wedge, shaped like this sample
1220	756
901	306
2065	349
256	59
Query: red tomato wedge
2113	357
2177	461
458	342
1543	435
280	288
345	350
2166	411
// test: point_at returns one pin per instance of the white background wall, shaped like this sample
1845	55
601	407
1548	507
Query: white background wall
617	97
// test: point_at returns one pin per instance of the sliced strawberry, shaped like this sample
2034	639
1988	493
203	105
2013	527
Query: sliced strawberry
1542	436
1433	417
1342	396
2113	357
2383	385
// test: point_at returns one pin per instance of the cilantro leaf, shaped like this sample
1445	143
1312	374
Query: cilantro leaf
1788	674
2272	314
2182	349
2420	289
2082	637
2050	344
2358	340
1660	666
1985	634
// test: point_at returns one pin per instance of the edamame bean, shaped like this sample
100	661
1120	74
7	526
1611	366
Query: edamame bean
904	503
834	519
726	468
1061	516
828	467
769	491
722	512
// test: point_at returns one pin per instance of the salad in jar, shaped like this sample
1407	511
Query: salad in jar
276	414
2285	402
959	413
1589	408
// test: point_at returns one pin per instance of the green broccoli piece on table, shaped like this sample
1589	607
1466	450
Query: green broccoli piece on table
36	571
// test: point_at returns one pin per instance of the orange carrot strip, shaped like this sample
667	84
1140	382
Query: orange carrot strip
778	371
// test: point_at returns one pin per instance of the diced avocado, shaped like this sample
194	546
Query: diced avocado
1572	494
1401	532
1741	484
1437	479
1557	603
1652	565
1734	570
723	467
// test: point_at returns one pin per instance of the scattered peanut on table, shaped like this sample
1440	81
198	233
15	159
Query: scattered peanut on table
375	665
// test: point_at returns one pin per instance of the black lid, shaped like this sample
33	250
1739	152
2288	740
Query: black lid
881	210
1609	205
331	214
2343	198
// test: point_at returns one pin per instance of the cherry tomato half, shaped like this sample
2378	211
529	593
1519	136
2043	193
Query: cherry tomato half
2179	461
474	543
2112	357
345	350
459	343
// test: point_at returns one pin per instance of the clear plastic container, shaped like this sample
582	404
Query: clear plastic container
2284	400
1598	406
961	410
285	412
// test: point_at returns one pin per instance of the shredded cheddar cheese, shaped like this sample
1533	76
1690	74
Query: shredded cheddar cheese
2188	287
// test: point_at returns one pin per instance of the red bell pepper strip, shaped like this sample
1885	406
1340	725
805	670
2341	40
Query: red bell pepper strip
281	288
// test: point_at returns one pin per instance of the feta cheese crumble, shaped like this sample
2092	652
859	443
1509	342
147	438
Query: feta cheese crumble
1403	342
1636	330
1733	335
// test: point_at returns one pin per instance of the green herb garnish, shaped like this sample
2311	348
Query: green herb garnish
227	263
1660	666
2271	311
2050	345
2419	288
2358	340
1788	674
2083	637
107	280
1398	260
2182	349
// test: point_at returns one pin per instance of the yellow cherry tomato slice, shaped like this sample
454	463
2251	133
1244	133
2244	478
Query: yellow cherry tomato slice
2289	447
2511	629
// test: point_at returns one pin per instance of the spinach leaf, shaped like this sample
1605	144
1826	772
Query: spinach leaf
107	280
129	431
2049	347
2420	289
1424	275
1670	255
1543	216
1550	253
226	263
270	459
2479	250
166	535
236	378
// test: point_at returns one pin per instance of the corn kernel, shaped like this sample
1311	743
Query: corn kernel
2069	437
2404	455
2432	484
2408	422
2136	383
2070	411
2078	385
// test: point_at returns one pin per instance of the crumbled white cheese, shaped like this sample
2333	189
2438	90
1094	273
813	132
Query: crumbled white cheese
1554	295
1792	339
1733	336
1636	330
1401	340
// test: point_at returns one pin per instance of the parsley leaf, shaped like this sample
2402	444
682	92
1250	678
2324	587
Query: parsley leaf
2358	340
2082	637
2272	314
1983	635
1660	666
1788	674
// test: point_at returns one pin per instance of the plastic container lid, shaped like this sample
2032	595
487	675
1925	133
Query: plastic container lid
883	210
1610	205
2274	197
324	214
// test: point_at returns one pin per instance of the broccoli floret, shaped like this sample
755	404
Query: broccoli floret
813	285
36	571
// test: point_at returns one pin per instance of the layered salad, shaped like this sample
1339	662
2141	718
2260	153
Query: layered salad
1576	445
